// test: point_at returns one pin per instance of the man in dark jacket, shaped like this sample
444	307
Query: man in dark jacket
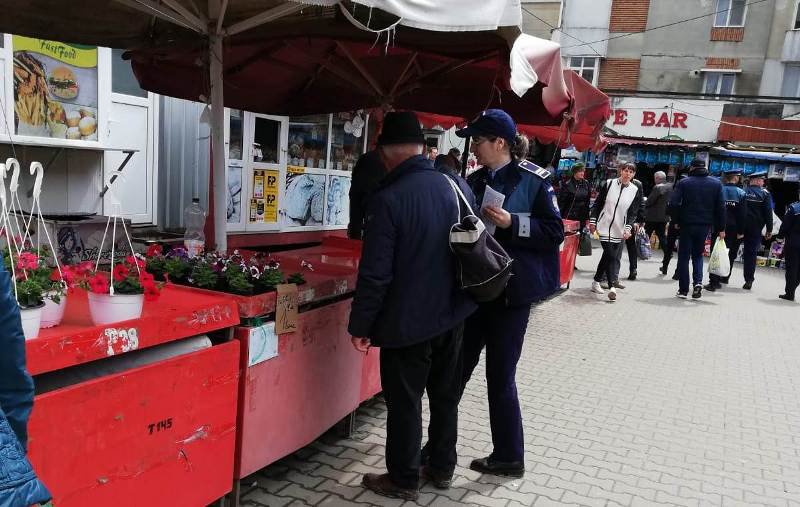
697	207
759	215
407	302
790	232
18	483
655	215
367	174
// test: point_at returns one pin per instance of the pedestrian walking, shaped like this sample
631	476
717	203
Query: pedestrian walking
367	173
19	486
759	216
630	244
408	303
613	215
655	214
530	229
735	215
672	236
790	232
575	195
697	207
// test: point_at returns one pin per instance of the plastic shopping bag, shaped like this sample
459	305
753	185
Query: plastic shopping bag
643	245
719	263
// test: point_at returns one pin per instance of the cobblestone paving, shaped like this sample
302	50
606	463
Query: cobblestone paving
650	400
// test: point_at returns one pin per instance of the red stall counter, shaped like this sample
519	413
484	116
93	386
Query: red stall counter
178	313
159	434
289	400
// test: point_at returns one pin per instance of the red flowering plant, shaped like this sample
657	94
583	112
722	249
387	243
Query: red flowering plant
37	278
129	277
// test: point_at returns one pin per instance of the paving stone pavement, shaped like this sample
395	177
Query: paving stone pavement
650	400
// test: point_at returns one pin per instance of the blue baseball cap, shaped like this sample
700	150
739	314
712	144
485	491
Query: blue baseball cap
491	122
759	174
732	172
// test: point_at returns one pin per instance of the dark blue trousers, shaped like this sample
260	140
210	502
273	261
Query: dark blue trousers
501	330
692	243
791	255
752	241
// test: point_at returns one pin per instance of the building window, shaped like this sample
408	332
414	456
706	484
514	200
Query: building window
791	81
796	25
122	78
719	83
730	12
586	67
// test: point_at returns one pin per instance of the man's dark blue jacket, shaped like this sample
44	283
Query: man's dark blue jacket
18	483
406	291
698	200
536	230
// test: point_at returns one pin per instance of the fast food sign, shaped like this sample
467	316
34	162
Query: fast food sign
55	89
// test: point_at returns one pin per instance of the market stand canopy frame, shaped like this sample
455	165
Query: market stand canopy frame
294	58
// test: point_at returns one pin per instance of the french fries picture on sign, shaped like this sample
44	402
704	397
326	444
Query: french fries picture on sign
55	89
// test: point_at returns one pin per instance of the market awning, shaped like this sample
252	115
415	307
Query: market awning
634	141
789	158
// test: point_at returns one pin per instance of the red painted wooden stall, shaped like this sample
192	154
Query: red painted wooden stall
158	434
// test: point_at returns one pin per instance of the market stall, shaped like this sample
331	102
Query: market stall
294	358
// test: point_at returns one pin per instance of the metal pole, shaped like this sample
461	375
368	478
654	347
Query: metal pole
220	190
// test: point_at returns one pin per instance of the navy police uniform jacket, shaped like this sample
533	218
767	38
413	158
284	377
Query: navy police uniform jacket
735	208
406	291
790	227
536	230
759	210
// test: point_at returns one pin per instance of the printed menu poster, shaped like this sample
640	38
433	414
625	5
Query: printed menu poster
258	184
55	89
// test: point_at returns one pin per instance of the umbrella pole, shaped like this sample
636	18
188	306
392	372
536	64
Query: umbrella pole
465	156
220	188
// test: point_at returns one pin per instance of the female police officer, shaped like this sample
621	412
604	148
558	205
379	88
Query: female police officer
529	227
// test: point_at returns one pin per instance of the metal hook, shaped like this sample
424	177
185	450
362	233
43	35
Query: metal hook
13	165
37	168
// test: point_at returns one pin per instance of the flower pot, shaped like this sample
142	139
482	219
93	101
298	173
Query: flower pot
53	313
31	319
106	309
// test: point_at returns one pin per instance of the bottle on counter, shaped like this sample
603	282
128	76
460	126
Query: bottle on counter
194	219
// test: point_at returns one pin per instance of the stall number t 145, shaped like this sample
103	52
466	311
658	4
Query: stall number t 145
160	426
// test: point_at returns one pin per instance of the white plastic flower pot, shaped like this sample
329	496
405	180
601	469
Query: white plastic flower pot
107	309
31	319
53	313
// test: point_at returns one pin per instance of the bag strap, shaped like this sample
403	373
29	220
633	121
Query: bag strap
459	196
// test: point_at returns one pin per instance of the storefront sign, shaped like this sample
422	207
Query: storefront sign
683	120
55	89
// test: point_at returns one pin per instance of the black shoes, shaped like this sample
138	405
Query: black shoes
787	297
384	486
675	276
697	292
440	480
663	270
632	276
488	465
724	280
747	285
711	287
682	294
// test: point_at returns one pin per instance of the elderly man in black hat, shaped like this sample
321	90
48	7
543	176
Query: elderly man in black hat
407	302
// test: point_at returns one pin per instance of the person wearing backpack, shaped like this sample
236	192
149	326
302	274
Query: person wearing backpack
614	212
408	302
529	227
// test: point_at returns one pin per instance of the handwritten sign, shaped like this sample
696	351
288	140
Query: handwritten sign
286	308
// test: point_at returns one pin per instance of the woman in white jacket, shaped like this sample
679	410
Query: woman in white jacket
613	215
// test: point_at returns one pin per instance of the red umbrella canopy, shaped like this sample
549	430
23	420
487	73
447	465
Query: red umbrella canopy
308	75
